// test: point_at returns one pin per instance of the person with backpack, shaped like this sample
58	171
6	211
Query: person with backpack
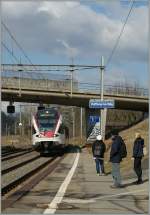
117	153
137	155
98	149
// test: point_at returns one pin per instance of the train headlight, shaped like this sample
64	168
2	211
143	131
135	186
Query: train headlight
38	135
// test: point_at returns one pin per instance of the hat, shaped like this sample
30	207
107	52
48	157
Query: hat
99	137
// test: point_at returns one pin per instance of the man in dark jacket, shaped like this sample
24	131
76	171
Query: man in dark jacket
137	155
115	159
98	149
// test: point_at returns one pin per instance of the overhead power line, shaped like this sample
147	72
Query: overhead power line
20	47
121	32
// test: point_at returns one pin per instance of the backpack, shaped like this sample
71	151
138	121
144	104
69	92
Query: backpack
97	150
123	149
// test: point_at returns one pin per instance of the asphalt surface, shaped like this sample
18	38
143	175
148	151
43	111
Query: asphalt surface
86	193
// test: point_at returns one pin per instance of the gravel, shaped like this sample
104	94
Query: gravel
18	173
9	163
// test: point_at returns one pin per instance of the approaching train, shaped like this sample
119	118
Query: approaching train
49	132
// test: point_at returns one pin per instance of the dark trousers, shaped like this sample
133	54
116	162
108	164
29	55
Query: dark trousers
137	168
99	165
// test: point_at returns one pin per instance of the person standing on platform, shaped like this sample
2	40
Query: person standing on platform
137	155
98	149
116	158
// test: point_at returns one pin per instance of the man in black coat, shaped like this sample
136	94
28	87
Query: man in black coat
98	149
115	159
137	155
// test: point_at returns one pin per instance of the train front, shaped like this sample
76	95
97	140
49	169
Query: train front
48	134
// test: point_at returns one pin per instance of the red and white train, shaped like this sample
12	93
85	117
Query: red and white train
49	132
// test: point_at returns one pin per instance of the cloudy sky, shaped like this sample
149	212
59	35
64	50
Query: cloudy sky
53	31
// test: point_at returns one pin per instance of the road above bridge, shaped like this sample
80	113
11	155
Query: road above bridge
126	102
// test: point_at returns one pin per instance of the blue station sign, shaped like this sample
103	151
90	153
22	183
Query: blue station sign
94	119
97	103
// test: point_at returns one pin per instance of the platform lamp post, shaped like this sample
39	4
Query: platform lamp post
20	121
102	67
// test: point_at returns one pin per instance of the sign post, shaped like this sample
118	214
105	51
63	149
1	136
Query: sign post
101	93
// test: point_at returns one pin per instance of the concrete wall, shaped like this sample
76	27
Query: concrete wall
38	84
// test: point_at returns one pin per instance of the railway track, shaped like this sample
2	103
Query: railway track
14	165
18	187
12	151
16	154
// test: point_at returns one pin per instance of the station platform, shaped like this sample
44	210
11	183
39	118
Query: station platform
85	193
89	193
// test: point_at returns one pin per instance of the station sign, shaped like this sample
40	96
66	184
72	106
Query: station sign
94	119
100	104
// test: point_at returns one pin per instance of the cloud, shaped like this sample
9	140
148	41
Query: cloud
61	28
90	33
71	52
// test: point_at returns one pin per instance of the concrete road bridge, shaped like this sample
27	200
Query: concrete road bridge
28	86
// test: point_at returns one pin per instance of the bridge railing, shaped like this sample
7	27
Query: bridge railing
113	90
65	86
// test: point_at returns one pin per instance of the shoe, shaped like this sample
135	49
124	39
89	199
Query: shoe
138	182
113	186
117	186
121	186
135	182
103	174
98	174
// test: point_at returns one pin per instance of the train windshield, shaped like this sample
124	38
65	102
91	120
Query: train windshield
47	121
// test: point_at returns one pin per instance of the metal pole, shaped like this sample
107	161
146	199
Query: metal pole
15	129
20	123
6	129
81	123
101	93
31	126
20	79
71	77
19	83
73	123
71	81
